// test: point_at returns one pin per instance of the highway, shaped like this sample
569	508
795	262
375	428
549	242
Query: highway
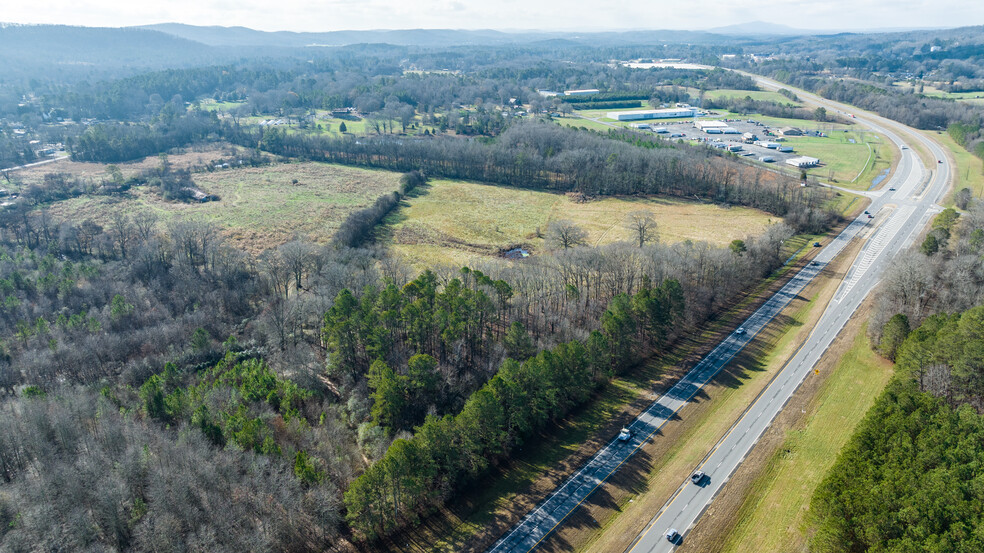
899	215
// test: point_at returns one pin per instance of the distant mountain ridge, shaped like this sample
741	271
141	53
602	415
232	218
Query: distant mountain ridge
763	28
243	36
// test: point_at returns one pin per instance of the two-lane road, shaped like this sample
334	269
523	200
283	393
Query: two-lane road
899	215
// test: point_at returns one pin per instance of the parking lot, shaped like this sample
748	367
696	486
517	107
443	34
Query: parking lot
736	141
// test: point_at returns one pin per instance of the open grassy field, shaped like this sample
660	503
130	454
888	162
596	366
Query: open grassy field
452	221
260	207
969	168
212	105
586	123
773	518
848	163
766	95
96	172
931	91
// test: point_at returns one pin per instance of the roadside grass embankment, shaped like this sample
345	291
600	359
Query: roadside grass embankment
774	515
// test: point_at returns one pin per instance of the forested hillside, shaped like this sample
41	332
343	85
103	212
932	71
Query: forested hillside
910	478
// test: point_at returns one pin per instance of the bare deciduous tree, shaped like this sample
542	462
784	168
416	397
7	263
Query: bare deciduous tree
565	234
643	226
145	222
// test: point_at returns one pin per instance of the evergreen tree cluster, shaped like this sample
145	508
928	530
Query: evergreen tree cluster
450	452
908	480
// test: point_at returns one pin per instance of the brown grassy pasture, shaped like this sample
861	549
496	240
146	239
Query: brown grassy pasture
260	207
182	159
454	221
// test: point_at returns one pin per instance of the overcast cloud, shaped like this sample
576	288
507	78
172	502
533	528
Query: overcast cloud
333	15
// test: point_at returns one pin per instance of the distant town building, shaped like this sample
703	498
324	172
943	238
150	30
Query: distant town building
803	162
650	114
547	93
581	92
704	125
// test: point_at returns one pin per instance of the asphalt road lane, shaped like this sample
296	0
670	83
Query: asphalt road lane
904	212
899	216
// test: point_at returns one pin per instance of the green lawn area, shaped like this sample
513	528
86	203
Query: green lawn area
754	94
851	165
586	123
451	221
220	106
976	96
774	516
969	168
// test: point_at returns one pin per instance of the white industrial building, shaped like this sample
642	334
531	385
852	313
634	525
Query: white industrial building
730	130
803	161
704	125
641	126
582	92
650	114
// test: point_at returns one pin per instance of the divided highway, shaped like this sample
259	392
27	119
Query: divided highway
901	209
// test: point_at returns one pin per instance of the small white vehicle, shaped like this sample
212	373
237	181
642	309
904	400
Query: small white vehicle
624	435
697	477
740	331
672	535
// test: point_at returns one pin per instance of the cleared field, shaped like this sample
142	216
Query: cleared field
449	218
96	172
766	95
773	517
976	96
847	162
969	168
577	122
260	207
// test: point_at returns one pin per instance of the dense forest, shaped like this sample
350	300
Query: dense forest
909	477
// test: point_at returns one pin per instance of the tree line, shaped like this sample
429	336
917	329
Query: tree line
450	452
541	156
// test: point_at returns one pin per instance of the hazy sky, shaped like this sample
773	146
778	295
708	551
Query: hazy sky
330	15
